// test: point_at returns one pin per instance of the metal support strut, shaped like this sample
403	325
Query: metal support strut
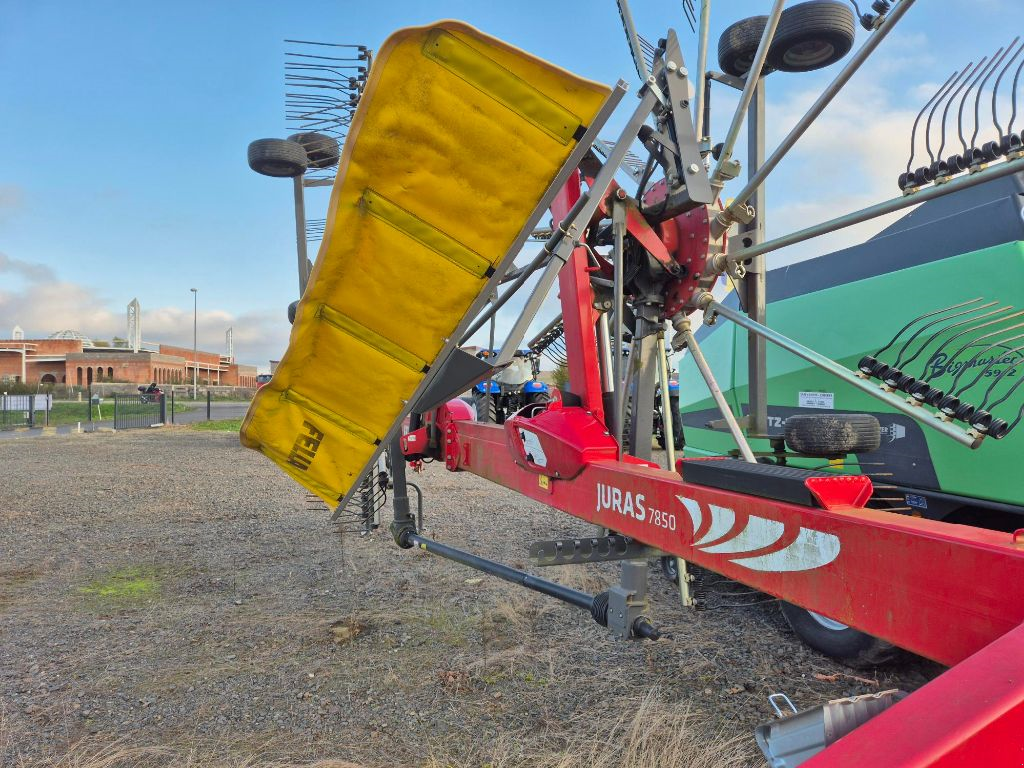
619	608
606	608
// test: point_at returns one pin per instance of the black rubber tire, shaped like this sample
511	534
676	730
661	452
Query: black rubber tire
850	646
535	398
677	443
738	44
669	568
321	150
292	309
486	412
277	157
812	35
833	434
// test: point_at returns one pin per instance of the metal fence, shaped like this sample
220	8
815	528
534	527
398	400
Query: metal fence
139	411
13	417
21	410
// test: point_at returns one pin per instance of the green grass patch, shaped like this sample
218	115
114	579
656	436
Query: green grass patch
74	412
221	425
124	586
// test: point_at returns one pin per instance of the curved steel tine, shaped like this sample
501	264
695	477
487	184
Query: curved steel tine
975	340
1013	97
992	386
1015	422
919	318
1007	394
913	131
945	110
977	98
995	87
971	323
928	124
982	66
977	378
926	326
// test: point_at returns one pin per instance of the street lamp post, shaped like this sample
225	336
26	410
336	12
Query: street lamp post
195	345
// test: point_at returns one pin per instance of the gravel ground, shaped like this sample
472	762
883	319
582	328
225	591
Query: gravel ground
170	588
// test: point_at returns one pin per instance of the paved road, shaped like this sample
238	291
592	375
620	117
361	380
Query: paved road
218	411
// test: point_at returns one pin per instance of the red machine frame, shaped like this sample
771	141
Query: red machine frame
951	593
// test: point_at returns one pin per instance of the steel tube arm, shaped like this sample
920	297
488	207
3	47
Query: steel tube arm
819	105
874	211
827	364
716	394
502	571
702	65
753	77
573	226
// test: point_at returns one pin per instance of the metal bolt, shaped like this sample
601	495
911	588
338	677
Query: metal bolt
684	104
670	66
620	194
692	168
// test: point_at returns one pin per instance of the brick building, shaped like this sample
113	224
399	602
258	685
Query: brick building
73	359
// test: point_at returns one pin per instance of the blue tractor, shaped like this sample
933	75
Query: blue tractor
511	389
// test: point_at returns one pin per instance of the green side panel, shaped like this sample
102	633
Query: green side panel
693	392
849	321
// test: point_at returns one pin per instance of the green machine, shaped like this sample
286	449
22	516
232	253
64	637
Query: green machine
956	266
940	291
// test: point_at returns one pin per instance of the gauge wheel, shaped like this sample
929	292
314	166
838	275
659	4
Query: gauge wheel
833	434
321	150
277	157
811	36
738	44
670	568
834	639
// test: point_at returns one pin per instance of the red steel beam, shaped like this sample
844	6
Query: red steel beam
578	313
971	716
942	591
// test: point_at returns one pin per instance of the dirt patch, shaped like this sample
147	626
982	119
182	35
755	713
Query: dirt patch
15	580
188	608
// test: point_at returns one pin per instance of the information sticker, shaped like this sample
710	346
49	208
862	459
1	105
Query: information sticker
824	400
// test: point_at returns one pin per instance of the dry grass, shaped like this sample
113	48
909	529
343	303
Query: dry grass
657	733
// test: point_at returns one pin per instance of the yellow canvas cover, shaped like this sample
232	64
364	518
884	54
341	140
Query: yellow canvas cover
456	139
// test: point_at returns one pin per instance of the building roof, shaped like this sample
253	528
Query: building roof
72	334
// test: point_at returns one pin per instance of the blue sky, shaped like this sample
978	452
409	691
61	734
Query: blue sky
123	170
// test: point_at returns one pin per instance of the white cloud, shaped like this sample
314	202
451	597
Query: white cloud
24	269
848	159
46	304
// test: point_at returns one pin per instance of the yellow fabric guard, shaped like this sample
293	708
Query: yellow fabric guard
456	138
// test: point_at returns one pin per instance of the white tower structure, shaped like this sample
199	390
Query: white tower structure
229	339
134	325
17	334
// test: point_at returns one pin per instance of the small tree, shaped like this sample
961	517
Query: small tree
560	376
